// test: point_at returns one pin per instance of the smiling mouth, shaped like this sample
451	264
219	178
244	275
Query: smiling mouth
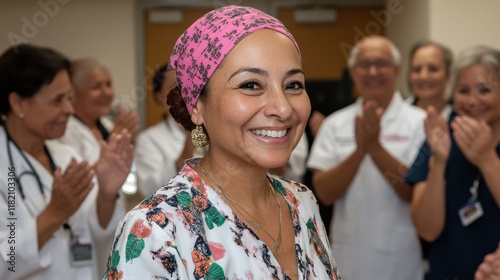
270	133
426	86
373	84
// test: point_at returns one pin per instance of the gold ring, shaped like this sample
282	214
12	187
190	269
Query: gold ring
118	136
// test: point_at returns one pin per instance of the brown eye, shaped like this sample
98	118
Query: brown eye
295	86
250	85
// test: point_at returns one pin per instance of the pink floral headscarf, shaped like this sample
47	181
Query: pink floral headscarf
205	44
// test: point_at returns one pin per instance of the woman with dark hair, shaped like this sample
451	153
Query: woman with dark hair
161	149
58	207
429	72
241	89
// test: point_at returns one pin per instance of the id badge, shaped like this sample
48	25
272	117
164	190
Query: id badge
470	212
80	254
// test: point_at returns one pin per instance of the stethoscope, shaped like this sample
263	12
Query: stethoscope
32	171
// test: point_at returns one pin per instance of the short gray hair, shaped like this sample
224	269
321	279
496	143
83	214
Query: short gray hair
80	68
396	55
475	55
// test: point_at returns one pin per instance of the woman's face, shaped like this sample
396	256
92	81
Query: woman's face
93	97
428	75
477	93
257	105
47	112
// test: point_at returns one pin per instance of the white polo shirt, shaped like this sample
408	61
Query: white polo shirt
372	234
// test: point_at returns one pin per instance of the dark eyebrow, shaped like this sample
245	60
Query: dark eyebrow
261	72
257	71
294	71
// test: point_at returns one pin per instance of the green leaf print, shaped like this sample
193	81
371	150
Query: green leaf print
115	259
310	225
215	272
212	216
134	247
184	198
279	187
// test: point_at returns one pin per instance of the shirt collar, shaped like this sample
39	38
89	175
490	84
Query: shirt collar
390	112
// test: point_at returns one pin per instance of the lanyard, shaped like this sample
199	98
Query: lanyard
475	186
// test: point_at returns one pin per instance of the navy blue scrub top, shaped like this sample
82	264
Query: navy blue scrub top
458	251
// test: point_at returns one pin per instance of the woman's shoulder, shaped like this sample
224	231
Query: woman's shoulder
289	184
177	193
296	193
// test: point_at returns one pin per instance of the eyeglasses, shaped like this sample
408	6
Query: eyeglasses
380	65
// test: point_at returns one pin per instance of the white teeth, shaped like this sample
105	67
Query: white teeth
270	133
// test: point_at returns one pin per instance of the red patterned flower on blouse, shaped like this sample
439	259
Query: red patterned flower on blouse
140	230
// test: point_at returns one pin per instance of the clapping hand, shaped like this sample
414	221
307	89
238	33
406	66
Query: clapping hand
367	127
70	188
125	119
490	267
437	133
114	164
474	138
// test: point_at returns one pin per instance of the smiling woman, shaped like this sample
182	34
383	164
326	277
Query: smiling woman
63	207
429	73
456	198
240	83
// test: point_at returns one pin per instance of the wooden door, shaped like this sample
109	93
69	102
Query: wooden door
160	40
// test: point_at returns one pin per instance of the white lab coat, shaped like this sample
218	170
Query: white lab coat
372	233
82	140
79	137
53	260
156	152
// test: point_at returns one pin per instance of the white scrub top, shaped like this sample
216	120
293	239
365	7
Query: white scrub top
372	233
53	260
156	152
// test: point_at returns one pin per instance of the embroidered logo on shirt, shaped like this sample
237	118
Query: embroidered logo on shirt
394	138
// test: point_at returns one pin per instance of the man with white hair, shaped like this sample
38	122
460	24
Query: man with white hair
359	159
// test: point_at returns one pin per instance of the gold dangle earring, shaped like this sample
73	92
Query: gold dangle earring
199	137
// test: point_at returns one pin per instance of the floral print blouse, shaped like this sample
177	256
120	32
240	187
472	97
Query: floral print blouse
186	231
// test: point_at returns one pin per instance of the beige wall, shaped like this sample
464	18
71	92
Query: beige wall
463	23
406	27
78	28
105	29
456	23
